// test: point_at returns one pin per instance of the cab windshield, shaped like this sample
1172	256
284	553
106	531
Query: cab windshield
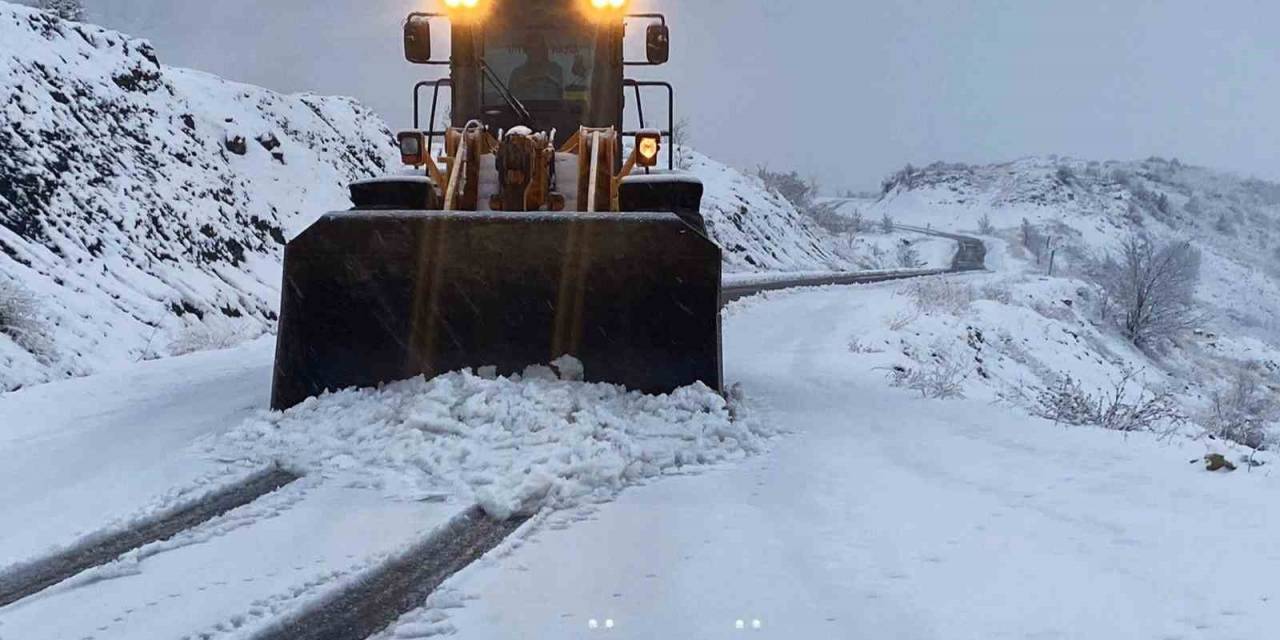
547	59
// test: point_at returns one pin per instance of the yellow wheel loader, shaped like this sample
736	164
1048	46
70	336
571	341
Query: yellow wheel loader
533	226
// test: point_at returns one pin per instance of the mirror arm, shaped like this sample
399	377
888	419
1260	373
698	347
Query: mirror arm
650	16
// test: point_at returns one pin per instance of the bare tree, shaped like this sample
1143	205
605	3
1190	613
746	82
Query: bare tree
1154	286
682	139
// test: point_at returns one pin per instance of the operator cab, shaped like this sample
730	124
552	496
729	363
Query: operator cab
549	61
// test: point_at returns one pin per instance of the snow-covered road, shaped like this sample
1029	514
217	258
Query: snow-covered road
878	515
886	516
82	453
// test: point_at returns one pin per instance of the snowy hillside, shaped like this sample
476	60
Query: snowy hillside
1027	337
758	230
138	200
1084	208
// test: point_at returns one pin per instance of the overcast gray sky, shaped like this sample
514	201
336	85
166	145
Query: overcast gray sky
843	91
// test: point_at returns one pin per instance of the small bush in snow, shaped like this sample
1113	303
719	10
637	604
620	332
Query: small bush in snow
984	225
1242	411
940	377
908	257
886	223
857	222
856	346
1119	409
1152	285
997	292
20	319
941	295
212	335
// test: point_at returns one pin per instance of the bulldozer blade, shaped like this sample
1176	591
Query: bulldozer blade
371	297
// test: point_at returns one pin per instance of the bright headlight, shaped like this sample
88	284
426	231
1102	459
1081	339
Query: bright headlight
647	146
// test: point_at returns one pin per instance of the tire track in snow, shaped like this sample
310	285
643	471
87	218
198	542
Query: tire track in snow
399	585
29	578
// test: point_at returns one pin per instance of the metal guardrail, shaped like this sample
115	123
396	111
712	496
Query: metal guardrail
970	255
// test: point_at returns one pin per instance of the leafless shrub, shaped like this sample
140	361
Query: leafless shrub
20	319
682	139
998	292
939	377
856	346
886	223
65	9
212	335
941	295
790	186
903	319
1118	409
857	222
1152	286
985	227
1242	411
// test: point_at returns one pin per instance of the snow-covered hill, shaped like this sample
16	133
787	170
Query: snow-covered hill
143	208
138	200
1030	332
759	230
1086	207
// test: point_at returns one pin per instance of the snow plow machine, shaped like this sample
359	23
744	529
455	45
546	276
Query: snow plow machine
533	226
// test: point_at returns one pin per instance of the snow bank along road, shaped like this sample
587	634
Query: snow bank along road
85	451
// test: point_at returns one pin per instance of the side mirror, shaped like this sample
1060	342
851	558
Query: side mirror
417	39
658	43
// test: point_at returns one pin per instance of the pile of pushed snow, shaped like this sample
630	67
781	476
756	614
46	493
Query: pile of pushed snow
759	230
512	444
141	203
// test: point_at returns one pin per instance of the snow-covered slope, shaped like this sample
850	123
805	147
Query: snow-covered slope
1029	330
1086	207
758	230
137	199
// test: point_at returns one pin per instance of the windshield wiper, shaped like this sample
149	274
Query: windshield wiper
512	101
